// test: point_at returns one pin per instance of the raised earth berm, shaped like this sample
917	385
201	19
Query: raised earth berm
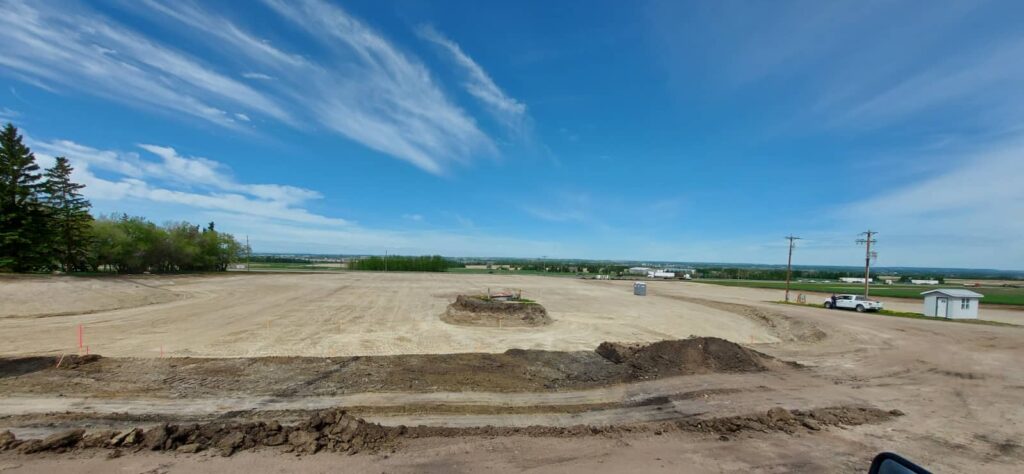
468	310
696	355
336	430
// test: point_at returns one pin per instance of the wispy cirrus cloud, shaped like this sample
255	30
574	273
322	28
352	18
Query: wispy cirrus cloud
175	179
68	48
8	115
968	211
360	85
276	216
478	83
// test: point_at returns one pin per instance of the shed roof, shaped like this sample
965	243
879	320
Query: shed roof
956	293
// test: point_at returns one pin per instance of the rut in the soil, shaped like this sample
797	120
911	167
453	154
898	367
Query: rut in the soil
338	431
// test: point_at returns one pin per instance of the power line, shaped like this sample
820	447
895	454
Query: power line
867	240
789	263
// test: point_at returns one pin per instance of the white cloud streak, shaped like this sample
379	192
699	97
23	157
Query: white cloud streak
88	53
360	85
968	214
273	214
478	83
175	179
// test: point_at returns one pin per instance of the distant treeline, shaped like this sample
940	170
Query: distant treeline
432	263
45	225
277	259
780	274
582	267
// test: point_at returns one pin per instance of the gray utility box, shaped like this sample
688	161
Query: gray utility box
640	288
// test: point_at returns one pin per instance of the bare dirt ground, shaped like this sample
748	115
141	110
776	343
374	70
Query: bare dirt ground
327	315
959	385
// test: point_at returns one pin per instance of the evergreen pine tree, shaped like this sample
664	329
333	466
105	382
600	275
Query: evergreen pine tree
22	217
70	222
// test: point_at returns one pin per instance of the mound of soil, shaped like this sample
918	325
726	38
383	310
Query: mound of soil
326	430
336	430
476	311
697	355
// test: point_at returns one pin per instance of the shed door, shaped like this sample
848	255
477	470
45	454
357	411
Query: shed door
942	307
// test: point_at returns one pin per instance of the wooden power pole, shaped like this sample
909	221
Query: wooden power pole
867	240
789	262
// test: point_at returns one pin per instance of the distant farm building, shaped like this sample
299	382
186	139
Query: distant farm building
660	274
952	303
925	282
640	270
855	280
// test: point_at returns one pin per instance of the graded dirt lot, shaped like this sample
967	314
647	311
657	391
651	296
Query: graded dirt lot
344	314
690	406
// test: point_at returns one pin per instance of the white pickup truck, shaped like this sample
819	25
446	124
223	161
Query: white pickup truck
856	302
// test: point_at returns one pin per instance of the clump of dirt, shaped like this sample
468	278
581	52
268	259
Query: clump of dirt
327	430
26	365
698	355
480	311
336	430
775	419
789	421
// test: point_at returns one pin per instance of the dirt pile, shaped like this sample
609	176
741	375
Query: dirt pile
790	421
327	430
775	419
337	431
479	311
698	355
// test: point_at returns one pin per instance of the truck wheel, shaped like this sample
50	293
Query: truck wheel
828	305
860	308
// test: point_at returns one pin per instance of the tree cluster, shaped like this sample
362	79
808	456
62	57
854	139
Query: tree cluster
45	225
128	244
433	263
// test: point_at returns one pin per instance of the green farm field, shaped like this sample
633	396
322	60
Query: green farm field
993	294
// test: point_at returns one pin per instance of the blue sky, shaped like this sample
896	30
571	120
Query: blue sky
690	131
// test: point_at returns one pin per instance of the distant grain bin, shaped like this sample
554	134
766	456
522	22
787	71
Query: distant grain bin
952	303
639	288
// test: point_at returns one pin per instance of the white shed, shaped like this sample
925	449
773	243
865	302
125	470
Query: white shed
952	303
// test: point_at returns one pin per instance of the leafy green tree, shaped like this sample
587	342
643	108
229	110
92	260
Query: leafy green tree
134	245
70	222
23	219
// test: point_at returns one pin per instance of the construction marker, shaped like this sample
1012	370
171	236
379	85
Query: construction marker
86	350
79	336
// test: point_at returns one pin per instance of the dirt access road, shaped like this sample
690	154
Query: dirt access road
960	386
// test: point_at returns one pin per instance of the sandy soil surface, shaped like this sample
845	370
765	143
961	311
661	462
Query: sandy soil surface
346	314
959	385
30	296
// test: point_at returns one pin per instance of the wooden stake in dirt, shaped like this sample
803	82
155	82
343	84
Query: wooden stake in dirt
59	361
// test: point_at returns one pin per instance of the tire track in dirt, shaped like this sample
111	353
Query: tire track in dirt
781	326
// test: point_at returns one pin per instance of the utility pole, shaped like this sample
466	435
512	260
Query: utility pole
385	260
789	263
867	240
248	254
